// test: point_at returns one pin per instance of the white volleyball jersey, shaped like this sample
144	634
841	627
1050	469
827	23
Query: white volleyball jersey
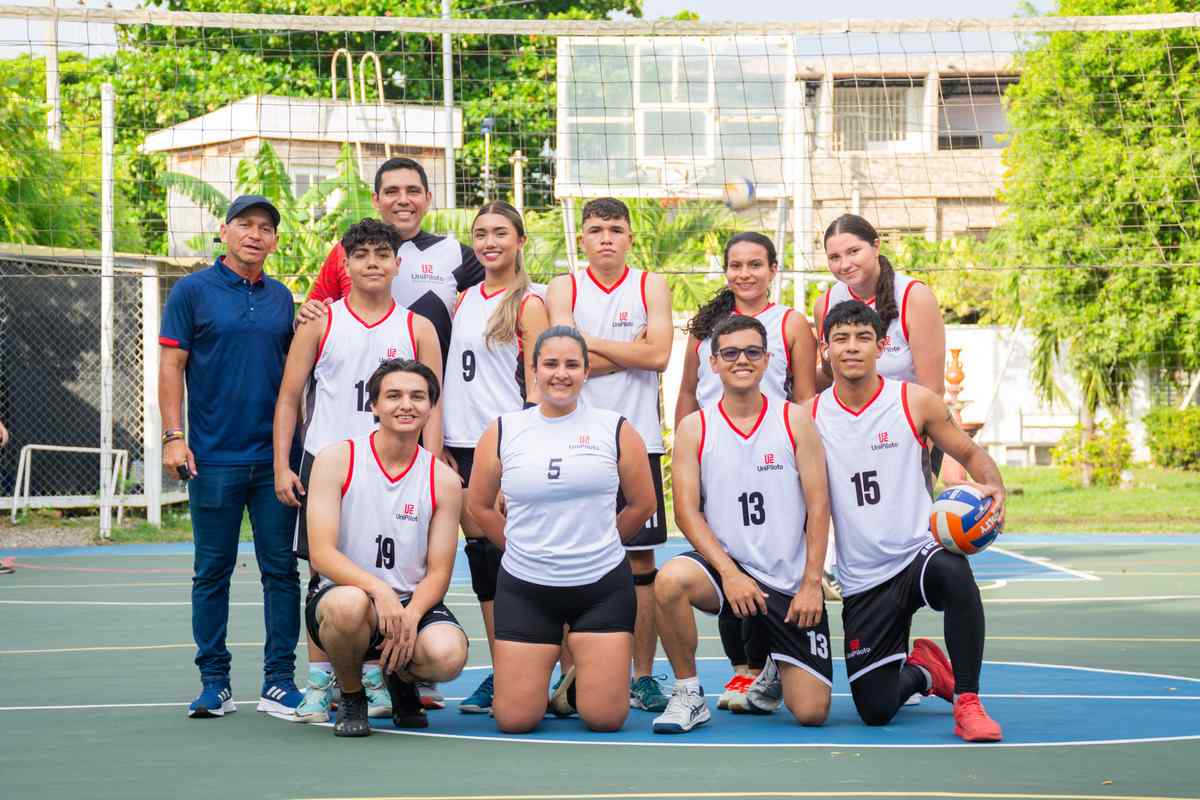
559	478
776	381
619	313
751	493
483	380
876	484
384	522
896	363
350	352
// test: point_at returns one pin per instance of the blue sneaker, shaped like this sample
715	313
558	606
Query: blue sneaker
280	699
646	694
480	701
379	702
318	697
215	700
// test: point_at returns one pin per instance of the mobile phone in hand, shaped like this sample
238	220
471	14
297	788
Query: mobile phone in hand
184	472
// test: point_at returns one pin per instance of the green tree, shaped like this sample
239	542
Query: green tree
1103	200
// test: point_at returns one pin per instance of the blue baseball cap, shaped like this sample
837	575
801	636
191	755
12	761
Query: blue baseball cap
248	201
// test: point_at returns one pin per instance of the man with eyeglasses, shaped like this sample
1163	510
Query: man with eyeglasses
751	497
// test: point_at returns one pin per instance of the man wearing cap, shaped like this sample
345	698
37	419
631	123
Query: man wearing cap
226	331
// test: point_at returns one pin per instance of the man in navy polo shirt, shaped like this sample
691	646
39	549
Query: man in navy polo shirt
226	330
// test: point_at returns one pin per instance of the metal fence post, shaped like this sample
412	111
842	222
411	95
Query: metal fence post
106	309
152	476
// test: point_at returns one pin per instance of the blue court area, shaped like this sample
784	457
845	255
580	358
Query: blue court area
1028	699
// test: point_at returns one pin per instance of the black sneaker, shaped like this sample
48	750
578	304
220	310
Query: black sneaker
407	711
352	715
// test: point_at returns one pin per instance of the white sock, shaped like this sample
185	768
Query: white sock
321	665
692	684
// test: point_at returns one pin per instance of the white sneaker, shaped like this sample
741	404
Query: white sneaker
765	694
685	710
379	702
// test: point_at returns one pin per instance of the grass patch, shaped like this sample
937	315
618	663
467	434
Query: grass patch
1160	500
176	524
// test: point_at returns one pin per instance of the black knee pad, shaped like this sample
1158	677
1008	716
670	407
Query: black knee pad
483	558
646	578
948	577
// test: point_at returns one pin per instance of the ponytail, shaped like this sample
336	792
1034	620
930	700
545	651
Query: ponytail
885	292
718	308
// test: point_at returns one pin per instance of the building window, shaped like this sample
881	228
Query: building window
877	115
971	113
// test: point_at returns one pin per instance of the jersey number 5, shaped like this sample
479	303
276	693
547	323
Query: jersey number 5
866	487
554	469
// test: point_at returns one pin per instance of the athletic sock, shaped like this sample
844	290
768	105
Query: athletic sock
928	678
321	665
692	684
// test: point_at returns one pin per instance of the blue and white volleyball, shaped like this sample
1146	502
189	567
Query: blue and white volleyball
740	193
963	521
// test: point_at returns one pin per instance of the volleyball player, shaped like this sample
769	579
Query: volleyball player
624	315
496	324
875	431
383	529
747	469
750	269
559	465
361	331
915	342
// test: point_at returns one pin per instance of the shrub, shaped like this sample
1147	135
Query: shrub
1173	435
1108	453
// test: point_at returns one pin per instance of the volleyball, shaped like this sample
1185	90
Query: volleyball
962	520
740	193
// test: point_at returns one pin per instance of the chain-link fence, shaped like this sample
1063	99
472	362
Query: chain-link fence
50	377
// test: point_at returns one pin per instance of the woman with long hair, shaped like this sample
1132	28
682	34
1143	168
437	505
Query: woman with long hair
489	372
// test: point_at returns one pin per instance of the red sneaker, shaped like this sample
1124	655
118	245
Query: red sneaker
735	690
927	654
971	721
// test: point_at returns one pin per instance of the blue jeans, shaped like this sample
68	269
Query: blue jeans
217	497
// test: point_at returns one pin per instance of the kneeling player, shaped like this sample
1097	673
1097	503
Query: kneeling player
382	533
875	433
748	471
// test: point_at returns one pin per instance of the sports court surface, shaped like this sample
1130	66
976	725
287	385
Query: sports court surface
1093	668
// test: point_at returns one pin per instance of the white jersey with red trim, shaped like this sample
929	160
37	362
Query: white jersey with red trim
896	362
877	486
350	351
776	380
483	380
751	494
618	313
384	522
559	478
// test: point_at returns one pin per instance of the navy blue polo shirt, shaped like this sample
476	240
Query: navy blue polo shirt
236	334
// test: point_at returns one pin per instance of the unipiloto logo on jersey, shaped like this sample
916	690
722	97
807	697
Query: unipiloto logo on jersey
622	320
769	463
883	442
857	649
409	514
391	353
584	443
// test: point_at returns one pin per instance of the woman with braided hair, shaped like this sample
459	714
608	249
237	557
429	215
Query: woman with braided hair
915	346
750	269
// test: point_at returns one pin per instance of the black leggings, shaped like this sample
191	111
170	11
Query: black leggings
950	588
744	640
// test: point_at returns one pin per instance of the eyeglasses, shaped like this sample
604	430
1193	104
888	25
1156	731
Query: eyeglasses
731	354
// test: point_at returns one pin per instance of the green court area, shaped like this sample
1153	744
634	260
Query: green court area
1093	668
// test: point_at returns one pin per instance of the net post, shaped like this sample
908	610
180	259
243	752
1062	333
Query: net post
568	212
107	101
448	100
152	477
53	95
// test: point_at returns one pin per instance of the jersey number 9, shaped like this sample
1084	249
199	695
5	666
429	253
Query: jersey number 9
468	365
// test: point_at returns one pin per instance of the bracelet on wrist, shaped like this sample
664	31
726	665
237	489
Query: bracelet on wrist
171	436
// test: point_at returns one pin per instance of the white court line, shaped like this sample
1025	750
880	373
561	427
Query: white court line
987	601
1045	562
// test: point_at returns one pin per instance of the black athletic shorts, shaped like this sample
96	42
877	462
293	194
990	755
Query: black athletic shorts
654	532
465	458
438	615
877	622
534	613
300	539
483	558
806	648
